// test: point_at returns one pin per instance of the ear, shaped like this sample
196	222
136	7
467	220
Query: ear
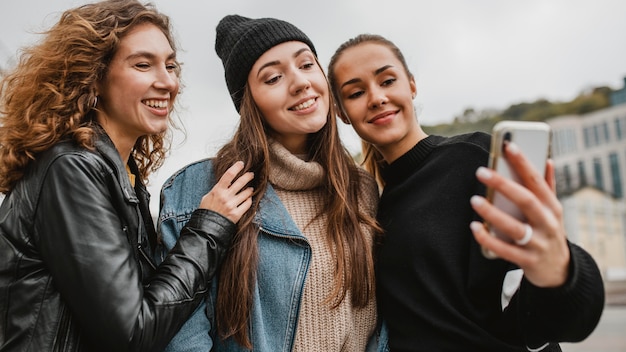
413	87
341	114
343	117
94	91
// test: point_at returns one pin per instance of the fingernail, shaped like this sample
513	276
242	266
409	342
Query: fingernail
512	148
483	172
477	200
475	226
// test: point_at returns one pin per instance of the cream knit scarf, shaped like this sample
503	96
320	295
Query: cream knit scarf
291	173
320	327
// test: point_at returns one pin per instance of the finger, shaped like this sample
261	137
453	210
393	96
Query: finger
241	182
543	270
505	223
243	206
522	197
550	175
242	196
503	250
527	237
227	178
240	210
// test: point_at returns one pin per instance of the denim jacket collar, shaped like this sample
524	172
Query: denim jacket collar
274	218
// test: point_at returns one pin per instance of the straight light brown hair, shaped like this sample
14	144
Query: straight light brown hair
354	271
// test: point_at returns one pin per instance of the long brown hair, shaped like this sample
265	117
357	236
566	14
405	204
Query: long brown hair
354	271
373	160
49	96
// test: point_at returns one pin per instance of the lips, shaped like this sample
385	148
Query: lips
384	115
304	105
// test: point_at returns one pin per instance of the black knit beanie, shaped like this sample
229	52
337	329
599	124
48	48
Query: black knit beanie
240	41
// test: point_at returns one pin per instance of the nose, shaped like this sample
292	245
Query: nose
166	79
300	82
377	98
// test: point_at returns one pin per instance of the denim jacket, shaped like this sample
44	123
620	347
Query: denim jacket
284	256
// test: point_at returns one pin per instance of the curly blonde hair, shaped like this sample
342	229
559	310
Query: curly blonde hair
49	95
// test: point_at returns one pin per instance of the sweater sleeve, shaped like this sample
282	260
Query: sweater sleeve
568	313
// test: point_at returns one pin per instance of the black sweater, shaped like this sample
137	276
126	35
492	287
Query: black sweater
437	292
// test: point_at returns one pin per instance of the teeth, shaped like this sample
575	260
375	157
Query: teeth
304	105
158	104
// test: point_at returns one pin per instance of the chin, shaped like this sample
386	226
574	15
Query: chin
160	127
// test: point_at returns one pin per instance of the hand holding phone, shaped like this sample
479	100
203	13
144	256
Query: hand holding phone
533	140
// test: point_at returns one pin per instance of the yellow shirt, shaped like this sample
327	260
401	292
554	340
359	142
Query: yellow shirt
131	176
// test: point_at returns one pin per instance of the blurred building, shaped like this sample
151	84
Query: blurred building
589	153
619	96
590	150
596	221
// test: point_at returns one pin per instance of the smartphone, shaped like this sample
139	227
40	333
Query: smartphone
533	140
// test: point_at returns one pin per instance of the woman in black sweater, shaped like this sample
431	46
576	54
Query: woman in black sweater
436	291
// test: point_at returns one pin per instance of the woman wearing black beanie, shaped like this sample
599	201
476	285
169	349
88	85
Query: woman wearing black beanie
300	273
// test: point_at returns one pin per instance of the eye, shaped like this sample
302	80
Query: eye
388	82
172	67
355	94
142	65
307	66
273	79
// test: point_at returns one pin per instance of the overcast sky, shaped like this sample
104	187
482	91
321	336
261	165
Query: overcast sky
480	53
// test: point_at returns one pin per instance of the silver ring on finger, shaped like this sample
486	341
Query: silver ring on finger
528	234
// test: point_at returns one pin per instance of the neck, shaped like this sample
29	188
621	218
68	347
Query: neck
124	143
124	147
295	144
393	151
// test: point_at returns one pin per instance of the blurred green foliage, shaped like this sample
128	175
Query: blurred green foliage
540	110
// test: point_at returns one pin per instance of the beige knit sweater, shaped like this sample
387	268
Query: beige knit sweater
321	328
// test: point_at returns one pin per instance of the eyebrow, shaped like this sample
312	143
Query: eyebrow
148	55
277	62
376	73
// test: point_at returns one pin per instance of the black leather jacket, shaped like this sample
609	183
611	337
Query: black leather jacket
76	268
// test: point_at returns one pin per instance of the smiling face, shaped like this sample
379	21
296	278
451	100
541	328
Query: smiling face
140	86
291	91
377	94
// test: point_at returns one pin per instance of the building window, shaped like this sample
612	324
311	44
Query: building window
556	143
572	140
596	135
605	129
587	137
567	178
597	173
616	178
564	142
618	128
582	176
